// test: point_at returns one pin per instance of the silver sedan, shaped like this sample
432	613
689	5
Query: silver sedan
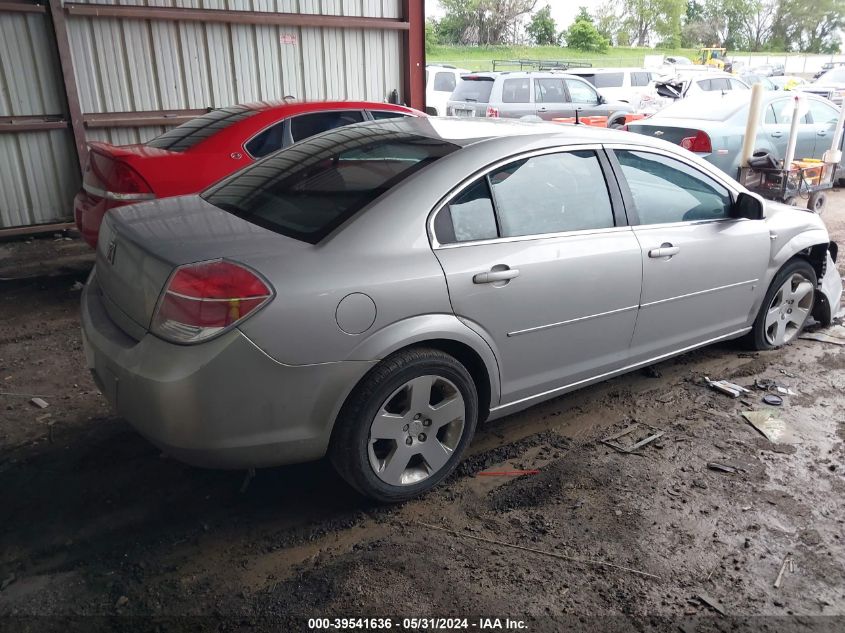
374	292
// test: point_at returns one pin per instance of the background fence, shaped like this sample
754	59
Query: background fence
71	72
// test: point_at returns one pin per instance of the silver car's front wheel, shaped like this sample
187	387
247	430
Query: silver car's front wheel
405	426
416	431
786	307
789	310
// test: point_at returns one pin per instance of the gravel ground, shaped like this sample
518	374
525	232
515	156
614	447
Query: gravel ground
97	525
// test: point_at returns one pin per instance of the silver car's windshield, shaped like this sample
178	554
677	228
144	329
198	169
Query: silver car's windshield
311	188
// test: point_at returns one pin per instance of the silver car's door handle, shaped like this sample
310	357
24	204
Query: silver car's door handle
777	134
665	250
495	275
822	132
543	109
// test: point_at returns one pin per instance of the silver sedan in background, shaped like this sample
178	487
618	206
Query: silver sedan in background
713	126
373	292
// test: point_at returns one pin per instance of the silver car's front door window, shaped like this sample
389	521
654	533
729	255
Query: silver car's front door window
702	270
557	288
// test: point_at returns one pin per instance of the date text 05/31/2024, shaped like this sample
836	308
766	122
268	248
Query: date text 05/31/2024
417	624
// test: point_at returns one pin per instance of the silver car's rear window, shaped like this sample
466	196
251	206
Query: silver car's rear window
311	188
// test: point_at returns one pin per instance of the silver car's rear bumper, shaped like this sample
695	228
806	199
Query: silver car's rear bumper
223	403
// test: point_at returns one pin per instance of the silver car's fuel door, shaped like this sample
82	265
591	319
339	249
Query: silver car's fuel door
702	270
535	257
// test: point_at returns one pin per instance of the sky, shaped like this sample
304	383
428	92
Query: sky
563	11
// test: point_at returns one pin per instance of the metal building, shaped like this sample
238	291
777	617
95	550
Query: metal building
122	71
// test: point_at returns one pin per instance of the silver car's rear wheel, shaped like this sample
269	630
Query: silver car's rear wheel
405	426
416	431
789	309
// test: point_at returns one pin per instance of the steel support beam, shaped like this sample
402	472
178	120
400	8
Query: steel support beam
74	110
22	7
184	14
413	52
32	123
136	119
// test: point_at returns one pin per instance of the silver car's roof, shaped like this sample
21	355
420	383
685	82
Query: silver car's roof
467	131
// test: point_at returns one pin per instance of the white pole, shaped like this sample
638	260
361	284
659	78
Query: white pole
793	132
753	123
837	135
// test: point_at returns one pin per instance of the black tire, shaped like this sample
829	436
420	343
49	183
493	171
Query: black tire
349	447
817	202
757	337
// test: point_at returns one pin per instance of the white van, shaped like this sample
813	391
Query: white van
618	84
440	82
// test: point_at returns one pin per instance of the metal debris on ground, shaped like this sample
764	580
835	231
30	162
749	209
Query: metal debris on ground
710	602
40	403
773	400
652	434
722	467
834	335
726	387
767	423
787	564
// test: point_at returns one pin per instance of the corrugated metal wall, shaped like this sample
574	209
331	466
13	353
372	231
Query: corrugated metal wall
168	66
38	174
132	65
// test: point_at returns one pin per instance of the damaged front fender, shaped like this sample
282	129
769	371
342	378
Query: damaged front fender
829	300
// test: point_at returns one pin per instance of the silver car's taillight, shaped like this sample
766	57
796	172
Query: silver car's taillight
202	300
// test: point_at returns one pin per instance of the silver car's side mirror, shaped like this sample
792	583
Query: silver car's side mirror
748	206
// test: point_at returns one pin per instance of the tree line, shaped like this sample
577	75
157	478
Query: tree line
809	26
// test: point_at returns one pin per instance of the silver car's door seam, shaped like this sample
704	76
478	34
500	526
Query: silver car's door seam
621	370
699	292
577	320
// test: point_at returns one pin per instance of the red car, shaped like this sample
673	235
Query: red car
189	158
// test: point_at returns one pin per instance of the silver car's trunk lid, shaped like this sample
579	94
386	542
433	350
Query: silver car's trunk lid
140	246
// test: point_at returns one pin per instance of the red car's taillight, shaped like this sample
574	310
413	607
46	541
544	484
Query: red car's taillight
700	143
201	300
492	113
113	179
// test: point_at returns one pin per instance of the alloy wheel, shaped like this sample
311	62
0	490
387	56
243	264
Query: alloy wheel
789	310
416	430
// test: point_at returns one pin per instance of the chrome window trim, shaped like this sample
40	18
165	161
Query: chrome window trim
469	180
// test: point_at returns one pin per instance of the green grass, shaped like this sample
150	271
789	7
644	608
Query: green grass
481	57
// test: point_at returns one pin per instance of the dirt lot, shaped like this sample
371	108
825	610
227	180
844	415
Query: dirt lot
95	522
